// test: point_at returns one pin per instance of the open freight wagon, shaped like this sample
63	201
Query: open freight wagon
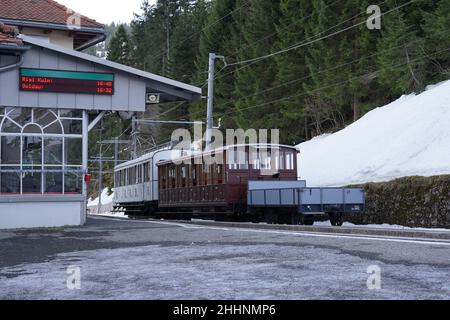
304	203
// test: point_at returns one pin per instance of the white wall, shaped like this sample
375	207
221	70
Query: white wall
60	38
18	215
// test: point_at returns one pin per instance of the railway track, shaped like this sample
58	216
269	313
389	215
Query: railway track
357	231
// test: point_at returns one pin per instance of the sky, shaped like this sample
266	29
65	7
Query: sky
105	11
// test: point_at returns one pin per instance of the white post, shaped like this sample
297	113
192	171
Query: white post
85	155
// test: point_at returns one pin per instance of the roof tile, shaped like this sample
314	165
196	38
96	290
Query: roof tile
41	11
8	35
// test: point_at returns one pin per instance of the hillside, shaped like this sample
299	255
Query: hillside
408	137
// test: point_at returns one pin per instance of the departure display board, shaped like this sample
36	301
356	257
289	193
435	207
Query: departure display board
40	80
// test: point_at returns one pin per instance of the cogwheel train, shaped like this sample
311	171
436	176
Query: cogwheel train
253	182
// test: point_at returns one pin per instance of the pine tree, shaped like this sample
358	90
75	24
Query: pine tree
253	79
119	47
327	103
357	50
291	70
184	50
214	38
437	29
402	68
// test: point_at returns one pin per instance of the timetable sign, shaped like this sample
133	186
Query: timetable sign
41	80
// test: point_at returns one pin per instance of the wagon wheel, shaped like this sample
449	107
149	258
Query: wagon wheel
309	221
333	218
339	219
301	219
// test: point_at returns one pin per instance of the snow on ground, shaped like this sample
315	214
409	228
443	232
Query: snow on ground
379	226
410	136
111	214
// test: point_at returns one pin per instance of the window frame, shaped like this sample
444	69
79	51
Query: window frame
40	119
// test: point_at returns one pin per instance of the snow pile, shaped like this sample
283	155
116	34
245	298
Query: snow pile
408	137
106	199
379	226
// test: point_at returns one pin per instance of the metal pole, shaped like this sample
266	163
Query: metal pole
85	161
100	173
209	118
85	146
133	139
100	181
116	151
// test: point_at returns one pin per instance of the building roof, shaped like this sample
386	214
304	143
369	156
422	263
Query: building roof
49	15
8	36
47	11
166	86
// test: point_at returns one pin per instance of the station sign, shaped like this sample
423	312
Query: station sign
42	80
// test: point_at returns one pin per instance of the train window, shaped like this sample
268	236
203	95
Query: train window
136	175
194	175
219	173
172	177
183	176
289	161
281	161
133	175
266	160
147	172
130	176
256	161
232	160
237	160
243	160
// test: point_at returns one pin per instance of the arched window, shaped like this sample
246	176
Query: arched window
40	151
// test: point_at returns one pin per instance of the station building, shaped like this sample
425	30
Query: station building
51	96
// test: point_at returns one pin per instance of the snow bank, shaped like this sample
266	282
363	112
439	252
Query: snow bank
105	198
408	137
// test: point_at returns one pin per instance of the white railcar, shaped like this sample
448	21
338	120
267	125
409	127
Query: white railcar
136	182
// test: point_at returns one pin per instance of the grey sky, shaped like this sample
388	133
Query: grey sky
105	11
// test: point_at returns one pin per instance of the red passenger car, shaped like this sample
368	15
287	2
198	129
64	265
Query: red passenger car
197	185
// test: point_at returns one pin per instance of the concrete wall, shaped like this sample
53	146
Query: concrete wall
31	212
